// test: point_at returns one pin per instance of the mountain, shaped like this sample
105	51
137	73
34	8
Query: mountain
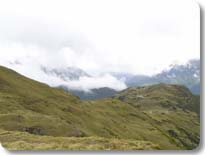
36	116
92	94
73	74
168	96
66	74
187	75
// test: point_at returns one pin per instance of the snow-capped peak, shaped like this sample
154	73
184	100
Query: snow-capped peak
68	73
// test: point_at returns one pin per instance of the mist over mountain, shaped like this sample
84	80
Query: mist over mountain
183	74
75	74
187	74
83	85
66	74
88	86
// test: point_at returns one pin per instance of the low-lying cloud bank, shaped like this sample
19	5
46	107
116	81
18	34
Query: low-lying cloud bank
87	83
33	70
83	83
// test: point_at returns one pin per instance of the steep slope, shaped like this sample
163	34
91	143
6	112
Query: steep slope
27	106
172	109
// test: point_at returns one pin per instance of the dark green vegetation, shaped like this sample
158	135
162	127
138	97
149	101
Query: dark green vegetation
36	116
93	94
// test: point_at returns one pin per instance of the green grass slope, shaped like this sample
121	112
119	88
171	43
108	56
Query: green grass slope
163	116
35	142
160	95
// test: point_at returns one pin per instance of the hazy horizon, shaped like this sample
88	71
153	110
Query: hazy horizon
98	37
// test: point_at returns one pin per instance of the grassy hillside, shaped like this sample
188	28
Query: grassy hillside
34	142
160	96
154	117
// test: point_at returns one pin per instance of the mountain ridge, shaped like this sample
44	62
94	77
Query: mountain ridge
182	74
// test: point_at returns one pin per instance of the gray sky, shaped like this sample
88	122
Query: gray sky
98	36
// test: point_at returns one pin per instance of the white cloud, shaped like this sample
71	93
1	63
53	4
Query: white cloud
29	60
98	36
87	83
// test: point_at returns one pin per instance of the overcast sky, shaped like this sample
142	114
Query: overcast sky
98	36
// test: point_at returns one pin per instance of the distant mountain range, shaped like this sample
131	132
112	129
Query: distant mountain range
185	74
